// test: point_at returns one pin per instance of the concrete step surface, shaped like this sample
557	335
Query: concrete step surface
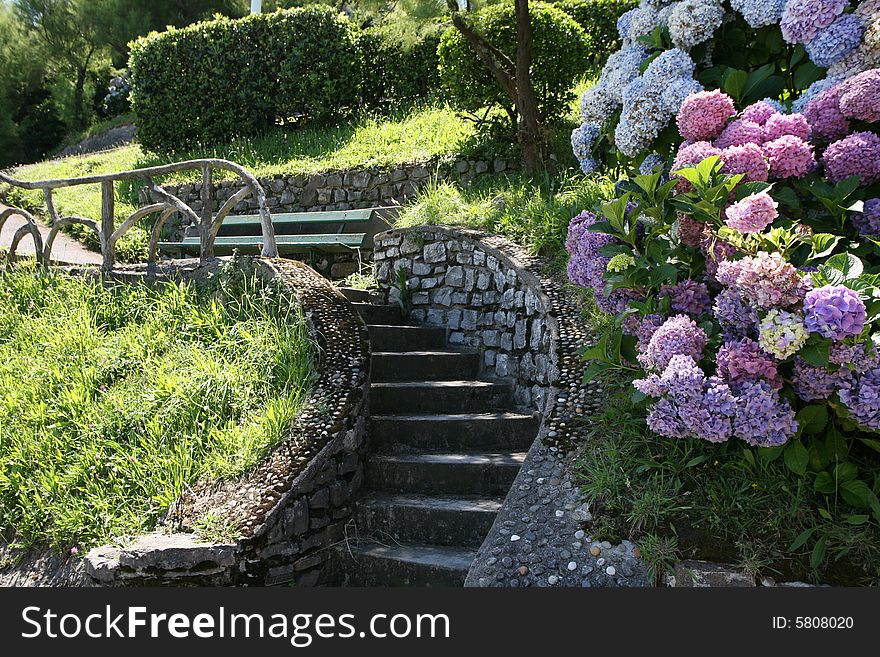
387	337
424	365
435	520
481	473
388	315
406	565
453	432
408	397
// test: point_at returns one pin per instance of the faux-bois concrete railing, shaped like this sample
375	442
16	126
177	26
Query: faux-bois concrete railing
165	204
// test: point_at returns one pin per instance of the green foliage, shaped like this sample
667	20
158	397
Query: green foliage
723	503
214	80
394	71
115	398
560	54
599	20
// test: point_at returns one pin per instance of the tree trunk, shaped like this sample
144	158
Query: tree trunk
530	132
515	79
79	109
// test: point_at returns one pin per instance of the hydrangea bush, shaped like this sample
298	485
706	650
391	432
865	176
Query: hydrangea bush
744	275
785	52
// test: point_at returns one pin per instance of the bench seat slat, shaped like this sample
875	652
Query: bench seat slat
280	219
335	243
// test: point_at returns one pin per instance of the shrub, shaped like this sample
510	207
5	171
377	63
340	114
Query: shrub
213	80
394	71
599	20
746	286
759	50
560	55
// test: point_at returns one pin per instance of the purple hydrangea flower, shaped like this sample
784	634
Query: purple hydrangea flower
867	222
716	252
855	155
860	393
802	19
762	418
860	96
743	360
812	383
689	297
737	318
834	312
759	112
678	335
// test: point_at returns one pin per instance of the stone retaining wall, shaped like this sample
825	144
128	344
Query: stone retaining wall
295	506
480	287
343	190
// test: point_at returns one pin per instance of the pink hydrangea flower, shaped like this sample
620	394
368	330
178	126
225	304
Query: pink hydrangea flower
789	157
766	280
739	132
759	112
752	214
679	335
747	159
860	96
824	115
690	231
704	114
855	155
744	360
779	125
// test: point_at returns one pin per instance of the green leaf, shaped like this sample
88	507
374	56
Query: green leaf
825	514
796	457
697	460
806	74
818	554
787	197
811	419
873	443
824	244
802	538
733	82
824	483
770	454
847	263
844	472
594	370
857	493
816	354
638	396
857	519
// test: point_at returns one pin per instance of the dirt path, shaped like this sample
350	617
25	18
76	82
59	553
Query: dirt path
65	249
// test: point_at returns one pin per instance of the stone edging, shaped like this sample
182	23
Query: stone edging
294	507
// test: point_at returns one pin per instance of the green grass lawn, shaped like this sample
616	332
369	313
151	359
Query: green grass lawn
114	398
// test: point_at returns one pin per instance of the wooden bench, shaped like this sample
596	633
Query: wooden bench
296	233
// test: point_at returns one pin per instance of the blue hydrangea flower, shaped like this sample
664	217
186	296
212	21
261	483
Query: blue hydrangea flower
833	43
624	23
582	140
758	13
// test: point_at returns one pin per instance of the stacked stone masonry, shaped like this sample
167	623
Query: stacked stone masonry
296	505
343	190
487	299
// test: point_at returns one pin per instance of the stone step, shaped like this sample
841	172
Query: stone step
380	314
424	365
385	337
354	294
460	521
371	564
407	397
451	433
482	473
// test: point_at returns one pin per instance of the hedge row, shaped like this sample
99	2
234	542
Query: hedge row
599	20
225	77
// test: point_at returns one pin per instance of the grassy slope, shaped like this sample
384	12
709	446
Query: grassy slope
113	399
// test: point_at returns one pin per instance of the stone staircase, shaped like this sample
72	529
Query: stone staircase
445	449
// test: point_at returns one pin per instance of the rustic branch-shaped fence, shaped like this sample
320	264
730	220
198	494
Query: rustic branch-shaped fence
164	205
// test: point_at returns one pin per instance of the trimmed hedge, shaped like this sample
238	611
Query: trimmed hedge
560	55
394	72
599	20
220	78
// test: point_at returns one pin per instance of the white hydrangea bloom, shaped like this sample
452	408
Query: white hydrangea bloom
597	105
675	92
758	13
694	21
622	68
644	21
